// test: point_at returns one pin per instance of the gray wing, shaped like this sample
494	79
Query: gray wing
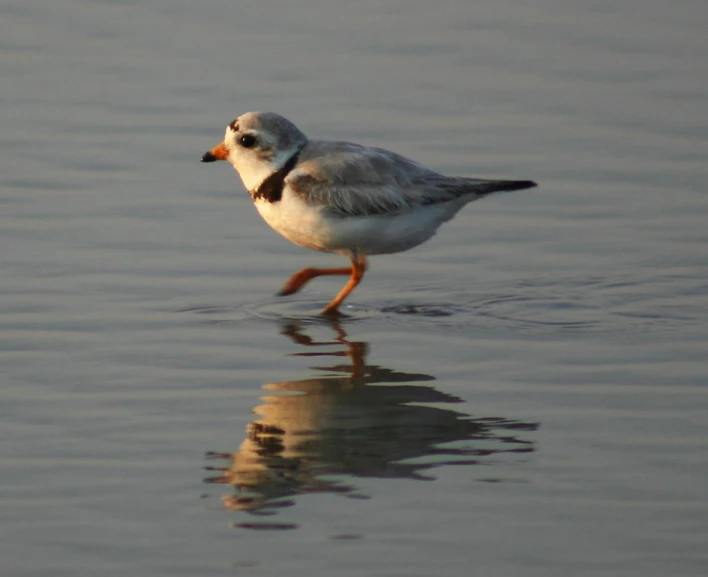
353	180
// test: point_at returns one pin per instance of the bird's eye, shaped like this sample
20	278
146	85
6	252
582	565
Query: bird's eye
247	140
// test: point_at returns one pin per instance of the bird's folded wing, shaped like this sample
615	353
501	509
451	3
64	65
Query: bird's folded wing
350	180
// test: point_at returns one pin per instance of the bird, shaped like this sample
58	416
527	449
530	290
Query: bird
341	197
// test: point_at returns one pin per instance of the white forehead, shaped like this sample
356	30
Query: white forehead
277	129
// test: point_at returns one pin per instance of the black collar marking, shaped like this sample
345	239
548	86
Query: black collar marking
271	188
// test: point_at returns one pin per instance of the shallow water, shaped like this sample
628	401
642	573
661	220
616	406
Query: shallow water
525	394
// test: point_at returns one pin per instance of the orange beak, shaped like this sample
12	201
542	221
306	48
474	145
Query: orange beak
219	152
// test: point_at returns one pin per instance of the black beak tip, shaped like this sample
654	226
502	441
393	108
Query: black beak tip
208	157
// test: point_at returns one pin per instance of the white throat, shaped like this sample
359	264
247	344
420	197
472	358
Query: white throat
253	171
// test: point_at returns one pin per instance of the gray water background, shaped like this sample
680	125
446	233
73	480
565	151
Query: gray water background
526	394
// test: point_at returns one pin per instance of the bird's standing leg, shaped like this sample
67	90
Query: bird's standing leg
302	277
358	269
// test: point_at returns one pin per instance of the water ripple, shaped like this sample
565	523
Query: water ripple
574	305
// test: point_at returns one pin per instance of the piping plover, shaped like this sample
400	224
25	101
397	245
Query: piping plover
342	197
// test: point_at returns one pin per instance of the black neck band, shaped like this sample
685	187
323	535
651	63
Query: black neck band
271	189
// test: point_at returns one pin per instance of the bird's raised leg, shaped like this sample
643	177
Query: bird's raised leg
302	277
358	269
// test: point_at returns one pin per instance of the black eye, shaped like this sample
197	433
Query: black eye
247	140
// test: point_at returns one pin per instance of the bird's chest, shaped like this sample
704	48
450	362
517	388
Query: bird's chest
297	221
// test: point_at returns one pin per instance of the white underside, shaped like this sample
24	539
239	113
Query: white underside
311	227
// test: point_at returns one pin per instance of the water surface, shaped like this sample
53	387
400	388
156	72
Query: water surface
525	394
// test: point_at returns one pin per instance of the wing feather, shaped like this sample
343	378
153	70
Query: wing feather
352	180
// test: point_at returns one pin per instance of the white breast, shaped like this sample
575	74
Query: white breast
297	221
312	227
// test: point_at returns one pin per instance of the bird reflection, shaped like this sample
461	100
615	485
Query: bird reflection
352	420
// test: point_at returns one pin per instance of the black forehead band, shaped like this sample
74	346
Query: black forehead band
234	125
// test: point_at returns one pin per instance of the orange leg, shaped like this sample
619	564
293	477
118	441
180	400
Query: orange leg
302	277
358	269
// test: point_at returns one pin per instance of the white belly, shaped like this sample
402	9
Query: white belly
311	227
